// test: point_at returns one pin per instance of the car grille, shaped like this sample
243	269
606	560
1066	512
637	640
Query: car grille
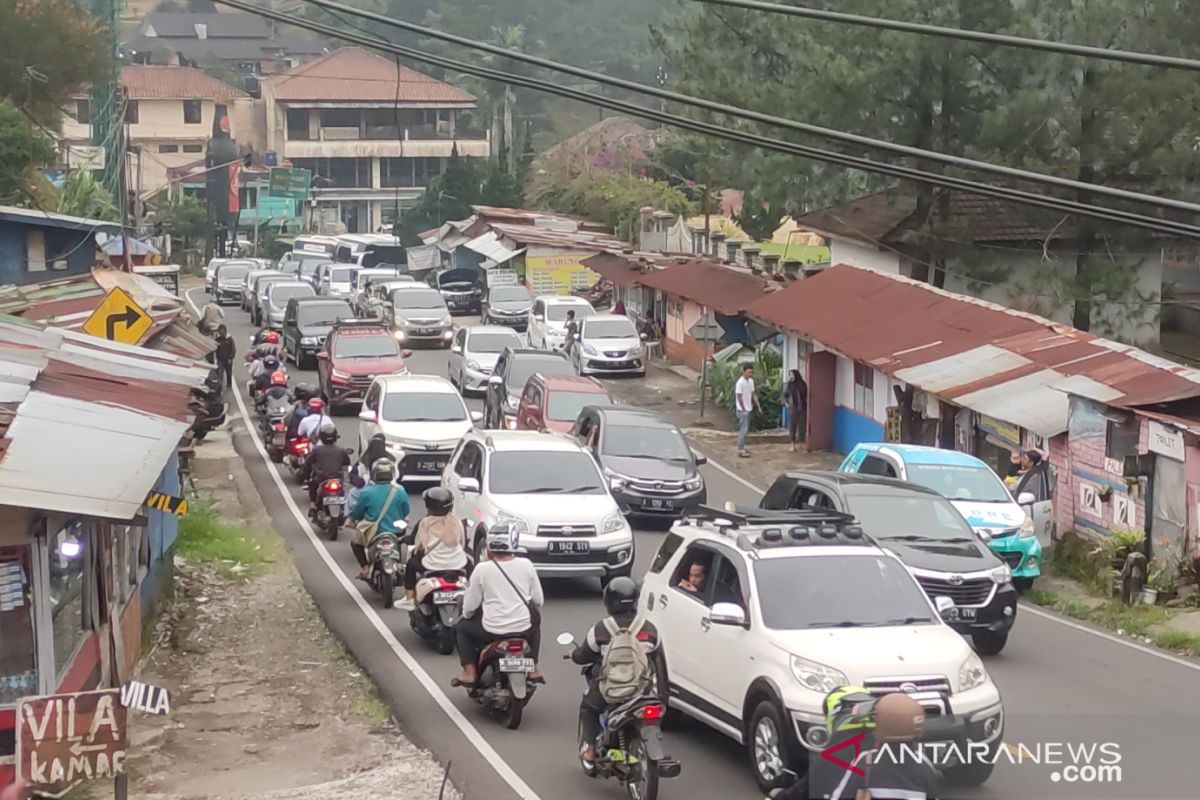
566	531
931	691
415	321
1012	558
361	381
611	558
973	592
657	487
614	353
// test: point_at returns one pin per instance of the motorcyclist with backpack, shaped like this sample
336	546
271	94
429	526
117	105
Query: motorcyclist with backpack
261	381
277	392
620	651
301	394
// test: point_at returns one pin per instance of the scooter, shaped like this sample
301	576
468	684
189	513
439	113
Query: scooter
439	608
387	562
297	453
273	425
331	507
629	747
208	407
502	686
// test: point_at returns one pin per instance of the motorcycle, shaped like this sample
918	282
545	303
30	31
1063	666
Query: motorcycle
272	423
439	608
629	747
385	552
297	453
502	686
208	407
331	507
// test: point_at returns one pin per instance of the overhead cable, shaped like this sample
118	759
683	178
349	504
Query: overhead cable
843	137
740	137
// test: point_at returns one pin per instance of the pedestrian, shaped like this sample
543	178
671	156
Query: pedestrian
225	354
745	403
619	308
210	317
795	397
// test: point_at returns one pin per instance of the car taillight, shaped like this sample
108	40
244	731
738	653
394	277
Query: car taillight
516	646
447	585
279	426
651	713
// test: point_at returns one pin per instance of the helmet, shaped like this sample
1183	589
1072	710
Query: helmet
328	433
383	471
271	337
315	405
213	382
270	363
302	391
502	538
279	378
898	718
438	501
621	596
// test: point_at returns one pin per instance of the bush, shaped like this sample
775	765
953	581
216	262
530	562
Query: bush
768	384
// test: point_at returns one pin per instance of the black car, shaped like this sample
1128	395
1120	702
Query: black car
928	534
514	368
461	288
306	323
507	305
648	465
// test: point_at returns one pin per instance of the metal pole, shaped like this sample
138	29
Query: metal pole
137	199
704	360
121	787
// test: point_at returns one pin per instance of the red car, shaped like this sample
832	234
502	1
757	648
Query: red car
355	352
553	402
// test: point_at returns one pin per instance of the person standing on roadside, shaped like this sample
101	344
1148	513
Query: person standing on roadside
745	402
225	354
795	397
210	317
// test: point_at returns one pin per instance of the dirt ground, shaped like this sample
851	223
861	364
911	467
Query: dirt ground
265	703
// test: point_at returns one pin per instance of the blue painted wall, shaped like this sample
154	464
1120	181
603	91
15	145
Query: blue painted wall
77	246
163	530
850	428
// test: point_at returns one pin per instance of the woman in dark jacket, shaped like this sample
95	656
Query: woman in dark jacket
795	396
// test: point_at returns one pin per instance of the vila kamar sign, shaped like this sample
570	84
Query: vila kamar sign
65	739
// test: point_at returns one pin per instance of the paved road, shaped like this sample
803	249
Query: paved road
1061	682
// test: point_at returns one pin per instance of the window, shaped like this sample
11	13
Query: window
191	112
297	124
469	463
666	552
1122	438
928	518
864	389
727	588
877	465
193	148
18	674
365	346
131	111
692	576
83	111
339	118
168	148
423	407
550	472
68	555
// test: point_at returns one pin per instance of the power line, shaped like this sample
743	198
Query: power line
1004	40
778	145
768	119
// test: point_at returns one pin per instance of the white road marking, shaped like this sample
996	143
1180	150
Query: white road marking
507	773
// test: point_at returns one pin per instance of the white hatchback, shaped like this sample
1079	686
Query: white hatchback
608	344
548	319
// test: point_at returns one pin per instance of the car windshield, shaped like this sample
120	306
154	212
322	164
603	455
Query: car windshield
509	294
281	294
960	482
419	300
492	342
423	407
233	272
312	314
610	329
309	267
524	368
645	441
372	346
367	278
801	593
262	283
557	312
544	472
342	275
565	406
912	518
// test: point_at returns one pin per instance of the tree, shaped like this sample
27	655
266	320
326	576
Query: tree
756	217
23	148
185	219
82	196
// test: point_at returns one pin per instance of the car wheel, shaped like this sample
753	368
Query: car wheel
989	643
767	746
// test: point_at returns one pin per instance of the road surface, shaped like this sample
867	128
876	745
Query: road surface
1064	685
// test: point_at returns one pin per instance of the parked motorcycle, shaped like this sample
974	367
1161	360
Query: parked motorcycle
386	554
629	747
502	686
208	407
439	608
331	507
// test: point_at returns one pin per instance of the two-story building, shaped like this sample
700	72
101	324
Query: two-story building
372	132
169	117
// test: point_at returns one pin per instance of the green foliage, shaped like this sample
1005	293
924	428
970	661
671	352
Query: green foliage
82	196
756	217
186	219
236	552
500	188
768	385
466	182
23	148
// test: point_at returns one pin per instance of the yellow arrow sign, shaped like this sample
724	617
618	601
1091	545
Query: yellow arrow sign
119	319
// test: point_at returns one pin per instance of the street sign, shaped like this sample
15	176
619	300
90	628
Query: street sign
65	739
167	502
293	182
501	277
144	697
705	330
119	319
85	156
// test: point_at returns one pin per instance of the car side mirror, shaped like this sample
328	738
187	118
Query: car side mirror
943	604
406	353
367	415
322	355
468	486
728	614
495	380
1026	499
476	416
456	349
700	458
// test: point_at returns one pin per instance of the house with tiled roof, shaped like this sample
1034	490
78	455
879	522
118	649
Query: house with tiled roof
169	116
372	132
1013	255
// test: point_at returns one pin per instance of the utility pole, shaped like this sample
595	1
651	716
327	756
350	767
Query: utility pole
107	125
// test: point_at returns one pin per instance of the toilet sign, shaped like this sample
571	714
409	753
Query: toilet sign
1165	441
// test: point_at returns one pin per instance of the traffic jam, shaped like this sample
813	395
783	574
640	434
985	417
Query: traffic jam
459	436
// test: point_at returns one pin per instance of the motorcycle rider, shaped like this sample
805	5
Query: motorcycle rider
360	473
898	719
277	392
370	506
621	602
301	394
261	381
315	421
270	346
438	543
327	460
503	599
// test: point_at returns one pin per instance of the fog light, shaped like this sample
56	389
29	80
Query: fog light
400	335
817	736
990	726
1008	612
1031	561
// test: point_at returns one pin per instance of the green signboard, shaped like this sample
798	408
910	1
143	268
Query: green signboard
289	182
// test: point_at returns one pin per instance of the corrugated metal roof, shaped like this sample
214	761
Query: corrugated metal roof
488	245
55	220
722	289
618	269
523	216
1007	364
551	237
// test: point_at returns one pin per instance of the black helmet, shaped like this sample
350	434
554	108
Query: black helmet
328	433
438	501
621	596
213	382
302	392
270	363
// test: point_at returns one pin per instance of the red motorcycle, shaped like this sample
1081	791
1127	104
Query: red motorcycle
297	454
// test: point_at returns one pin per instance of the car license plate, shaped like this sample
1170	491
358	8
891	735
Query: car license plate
967	613
516	665
445	598
660	503
431	465
562	548
335	501
278	440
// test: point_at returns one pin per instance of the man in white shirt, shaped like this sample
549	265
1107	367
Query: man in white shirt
310	425
744	401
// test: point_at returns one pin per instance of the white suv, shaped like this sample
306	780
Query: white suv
793	605
551	490
548	319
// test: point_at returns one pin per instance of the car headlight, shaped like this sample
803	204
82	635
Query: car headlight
693	484
817	677
337	373
400	335
1001	574
1027	530
616	481
588	350
445	320
473	365
308	340
511	401
971	673
613	522
519	524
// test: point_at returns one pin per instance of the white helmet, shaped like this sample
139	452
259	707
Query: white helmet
502	538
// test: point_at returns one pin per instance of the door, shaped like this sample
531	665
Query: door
680	611
291	333
469	464
495	392
1169	509
729	650
370	403
537	316
458	355
529	410
821	378
1040	483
